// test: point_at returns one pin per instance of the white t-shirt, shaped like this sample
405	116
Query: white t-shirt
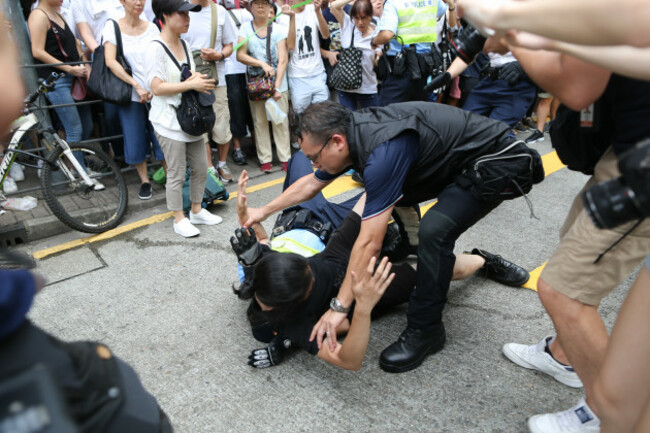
498	60
233	66
96	12
305	59
163	108
368	76
134	49
198	35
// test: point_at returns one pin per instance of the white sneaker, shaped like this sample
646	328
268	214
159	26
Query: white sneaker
9	186
578	419
535	357
204	217
16	172
185	228
93	176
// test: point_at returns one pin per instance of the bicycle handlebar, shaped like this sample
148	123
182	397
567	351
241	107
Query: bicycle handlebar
43	87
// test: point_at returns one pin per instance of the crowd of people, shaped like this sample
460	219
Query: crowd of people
344	82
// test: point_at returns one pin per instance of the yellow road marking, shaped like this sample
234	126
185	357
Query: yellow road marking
342	184
339	186
534	276
102	236
552	163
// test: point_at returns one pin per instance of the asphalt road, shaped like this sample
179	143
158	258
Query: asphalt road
164	304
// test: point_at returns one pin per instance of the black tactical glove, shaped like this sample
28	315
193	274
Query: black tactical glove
438	82
271	355
245	245
511	72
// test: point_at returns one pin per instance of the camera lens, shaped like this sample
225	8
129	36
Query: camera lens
611	204
468	44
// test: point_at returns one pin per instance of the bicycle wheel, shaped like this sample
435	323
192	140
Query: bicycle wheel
90	209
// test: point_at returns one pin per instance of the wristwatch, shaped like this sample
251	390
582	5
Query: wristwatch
335	305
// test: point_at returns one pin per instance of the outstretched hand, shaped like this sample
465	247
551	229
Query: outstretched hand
369	290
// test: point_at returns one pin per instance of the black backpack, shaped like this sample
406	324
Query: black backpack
195	114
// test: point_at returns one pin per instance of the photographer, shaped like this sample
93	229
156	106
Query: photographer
588	263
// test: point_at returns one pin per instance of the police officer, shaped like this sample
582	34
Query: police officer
409	26
504	93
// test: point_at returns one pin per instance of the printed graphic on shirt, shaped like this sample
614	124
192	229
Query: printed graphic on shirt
305	42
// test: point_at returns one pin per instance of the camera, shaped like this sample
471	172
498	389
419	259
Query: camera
625	198
468	44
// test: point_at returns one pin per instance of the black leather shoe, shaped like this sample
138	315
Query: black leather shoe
501	270
411	348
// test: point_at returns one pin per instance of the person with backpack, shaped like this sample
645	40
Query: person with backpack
211	36
168	80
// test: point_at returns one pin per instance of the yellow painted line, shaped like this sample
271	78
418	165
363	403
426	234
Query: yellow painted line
102	236
342	184
552	163
534	276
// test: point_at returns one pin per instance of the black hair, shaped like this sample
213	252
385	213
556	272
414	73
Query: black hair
161	7
361	9
322	120
282	281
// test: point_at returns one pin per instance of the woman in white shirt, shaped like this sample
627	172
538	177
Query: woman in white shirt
136	128
359	23
164	79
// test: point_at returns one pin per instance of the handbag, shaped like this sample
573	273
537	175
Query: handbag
103	82
504	175
261	87
79	89
578	145
346	75
208	67
195	114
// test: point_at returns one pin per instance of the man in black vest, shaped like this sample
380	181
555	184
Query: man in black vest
408	153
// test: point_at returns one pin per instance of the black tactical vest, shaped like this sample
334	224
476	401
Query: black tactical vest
450	139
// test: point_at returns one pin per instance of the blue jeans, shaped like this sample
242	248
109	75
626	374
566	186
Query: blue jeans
138	133
77	121
349	100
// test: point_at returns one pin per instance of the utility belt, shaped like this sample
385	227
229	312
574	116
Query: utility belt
490	72
300	218
410	63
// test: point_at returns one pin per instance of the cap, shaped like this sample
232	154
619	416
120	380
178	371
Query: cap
161	7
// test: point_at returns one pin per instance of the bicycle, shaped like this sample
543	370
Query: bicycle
81	184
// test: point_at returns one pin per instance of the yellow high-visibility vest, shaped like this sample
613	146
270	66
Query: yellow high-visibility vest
417	21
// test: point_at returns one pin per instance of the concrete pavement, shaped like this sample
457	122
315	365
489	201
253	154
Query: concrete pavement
164	304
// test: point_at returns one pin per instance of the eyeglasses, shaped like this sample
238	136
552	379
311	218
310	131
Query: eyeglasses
314	159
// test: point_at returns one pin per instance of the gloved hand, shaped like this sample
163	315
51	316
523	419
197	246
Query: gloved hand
438	82
511	72
271	355
245	245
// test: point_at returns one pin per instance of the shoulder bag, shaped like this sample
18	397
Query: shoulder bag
261	87
208	67
195	114
346	75
79	89
103	82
